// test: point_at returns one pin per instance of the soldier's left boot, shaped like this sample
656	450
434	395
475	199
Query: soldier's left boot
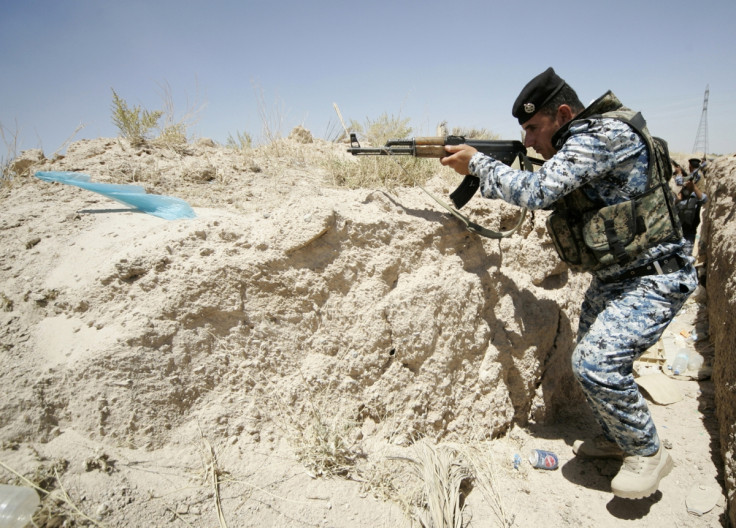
640	475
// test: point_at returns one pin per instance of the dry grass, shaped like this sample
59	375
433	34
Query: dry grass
379	171
173	130
444	477
323	437
483	467
68	140
214	473
242	141
10	141
387	172
272	116
430	483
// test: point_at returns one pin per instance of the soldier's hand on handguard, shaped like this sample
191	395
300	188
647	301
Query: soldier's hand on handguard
458	157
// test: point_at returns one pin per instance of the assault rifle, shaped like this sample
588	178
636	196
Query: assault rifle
505	151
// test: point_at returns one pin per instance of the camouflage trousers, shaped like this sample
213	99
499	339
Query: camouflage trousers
618	323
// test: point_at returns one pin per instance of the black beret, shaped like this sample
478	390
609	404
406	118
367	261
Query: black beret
694	162
538	92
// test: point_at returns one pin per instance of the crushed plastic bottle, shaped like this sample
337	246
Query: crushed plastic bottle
17	504
679	365
695	361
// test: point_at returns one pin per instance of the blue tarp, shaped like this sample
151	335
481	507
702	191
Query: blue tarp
134	195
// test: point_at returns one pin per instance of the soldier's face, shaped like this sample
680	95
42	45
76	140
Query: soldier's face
538	132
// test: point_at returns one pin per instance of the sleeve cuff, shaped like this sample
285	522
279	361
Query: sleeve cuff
473	164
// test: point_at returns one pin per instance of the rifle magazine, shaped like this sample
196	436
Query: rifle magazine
465	191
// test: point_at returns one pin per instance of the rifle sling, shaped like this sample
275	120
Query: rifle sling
469	224
472	226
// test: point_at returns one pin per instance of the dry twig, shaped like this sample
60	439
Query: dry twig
215	474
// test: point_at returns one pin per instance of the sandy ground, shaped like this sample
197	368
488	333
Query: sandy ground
173	485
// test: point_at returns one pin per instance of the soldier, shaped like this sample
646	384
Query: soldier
695	166
690	200
600	160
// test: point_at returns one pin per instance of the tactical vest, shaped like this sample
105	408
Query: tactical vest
591	236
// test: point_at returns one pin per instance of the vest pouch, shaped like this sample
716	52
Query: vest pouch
563	238
608	232
660	220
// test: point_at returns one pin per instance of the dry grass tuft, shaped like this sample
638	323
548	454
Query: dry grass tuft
483	468
387	172
215	473
445	480
432	482
324	439
10	141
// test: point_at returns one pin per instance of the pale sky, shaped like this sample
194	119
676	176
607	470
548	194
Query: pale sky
427	61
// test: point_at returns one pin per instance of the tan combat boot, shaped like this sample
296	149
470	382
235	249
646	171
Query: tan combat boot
640	475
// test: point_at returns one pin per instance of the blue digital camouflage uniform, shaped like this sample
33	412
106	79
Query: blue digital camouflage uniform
619	320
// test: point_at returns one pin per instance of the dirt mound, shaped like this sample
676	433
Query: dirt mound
290	321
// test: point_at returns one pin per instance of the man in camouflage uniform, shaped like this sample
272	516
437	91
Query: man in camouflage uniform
597	158
690	200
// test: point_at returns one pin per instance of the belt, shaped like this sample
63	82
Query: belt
662	266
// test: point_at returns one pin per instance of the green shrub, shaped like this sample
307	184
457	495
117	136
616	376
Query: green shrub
136	123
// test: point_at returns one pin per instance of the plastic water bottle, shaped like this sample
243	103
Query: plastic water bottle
679	365
695	362
17	504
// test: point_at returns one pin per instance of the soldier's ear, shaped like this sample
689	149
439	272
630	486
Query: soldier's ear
564	114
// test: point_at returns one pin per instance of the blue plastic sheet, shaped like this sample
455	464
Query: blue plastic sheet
165	207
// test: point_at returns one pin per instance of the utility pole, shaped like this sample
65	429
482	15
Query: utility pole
701	139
